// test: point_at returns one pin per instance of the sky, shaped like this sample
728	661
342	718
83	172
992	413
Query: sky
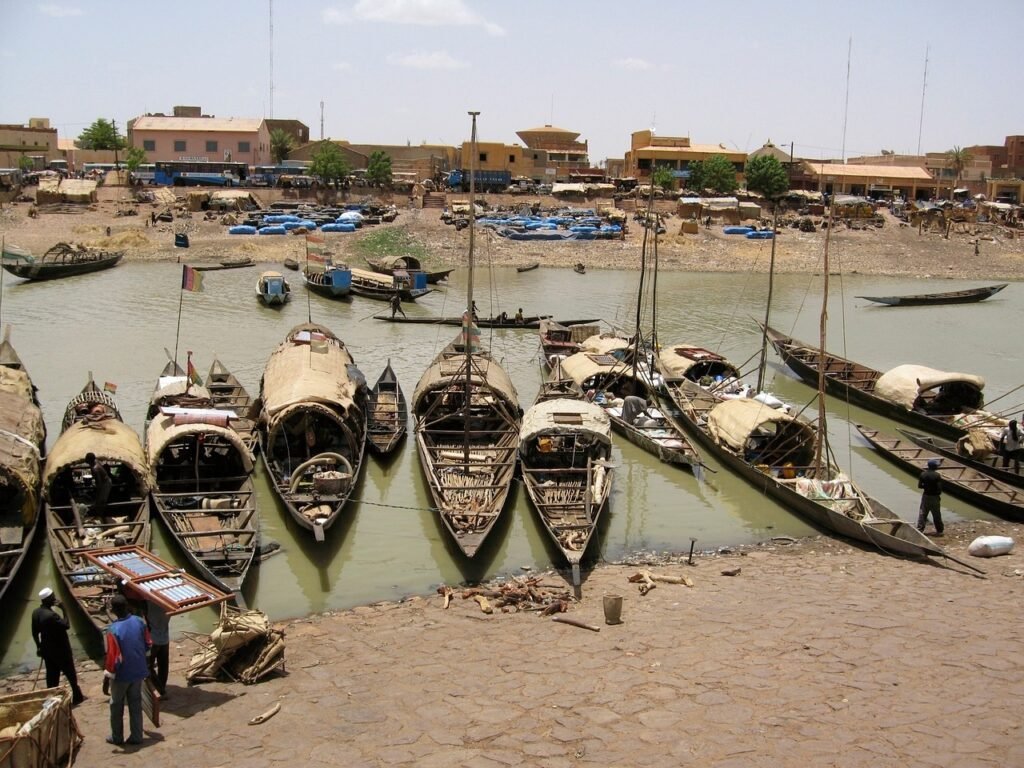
835	79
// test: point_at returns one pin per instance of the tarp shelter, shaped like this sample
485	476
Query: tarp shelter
679	361
565	416
568	190
55	190
21	431
734	423
488	376
909	385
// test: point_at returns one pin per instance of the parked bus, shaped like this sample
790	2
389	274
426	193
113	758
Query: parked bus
182	173
270	175
145	173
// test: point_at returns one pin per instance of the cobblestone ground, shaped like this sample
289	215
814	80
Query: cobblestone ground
818	654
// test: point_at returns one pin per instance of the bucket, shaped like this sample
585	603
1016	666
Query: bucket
613	609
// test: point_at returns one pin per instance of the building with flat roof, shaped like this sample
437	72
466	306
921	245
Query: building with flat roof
909	182
550	147
972	176
648	151
35	140
191	136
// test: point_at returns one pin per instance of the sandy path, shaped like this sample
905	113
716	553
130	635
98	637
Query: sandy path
815	654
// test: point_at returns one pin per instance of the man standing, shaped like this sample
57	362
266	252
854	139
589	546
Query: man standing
396	304
50	632
160	633
101	485
128	644
931	494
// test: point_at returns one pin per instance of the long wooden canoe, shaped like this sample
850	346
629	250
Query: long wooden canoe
387	414
22	446
991	464
948	407
531	322
965	482
951	297
774	452
62	260
228	394
92	424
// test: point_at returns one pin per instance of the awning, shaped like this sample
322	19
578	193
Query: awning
162	583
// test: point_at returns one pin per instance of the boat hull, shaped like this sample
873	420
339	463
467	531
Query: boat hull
951	297
41	271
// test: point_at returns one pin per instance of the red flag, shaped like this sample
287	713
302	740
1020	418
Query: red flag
193	374
109	386
190	279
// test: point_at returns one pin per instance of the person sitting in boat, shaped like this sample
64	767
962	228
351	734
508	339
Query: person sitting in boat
503	317
519	316
633	407
101	485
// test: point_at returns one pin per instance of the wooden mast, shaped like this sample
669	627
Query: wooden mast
468	325
823	325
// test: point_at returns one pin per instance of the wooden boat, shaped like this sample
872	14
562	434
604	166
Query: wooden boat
62	260
946	404
991	462
613	380
407	264
312	425
580	269
558	341
334	282
529	322
951	297
528	267
228	394
92	424
965	482
232	264
565	450
374	285
774	452
386	414
292	264
467	427
22	446
202	479
273	290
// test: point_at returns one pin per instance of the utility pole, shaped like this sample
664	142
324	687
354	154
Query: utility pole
321	119
924	85
271	3
117	164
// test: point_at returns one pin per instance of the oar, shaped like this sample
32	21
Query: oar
964	563
368	316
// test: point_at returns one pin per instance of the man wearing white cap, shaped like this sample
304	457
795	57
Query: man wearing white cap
50	632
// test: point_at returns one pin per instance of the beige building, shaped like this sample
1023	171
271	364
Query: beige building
554	153
35	140
972	176
191	137
909	182
648	151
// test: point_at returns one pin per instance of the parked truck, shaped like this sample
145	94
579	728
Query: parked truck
485	181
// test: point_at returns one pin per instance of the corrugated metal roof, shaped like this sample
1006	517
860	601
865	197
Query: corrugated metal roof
880	171
208	124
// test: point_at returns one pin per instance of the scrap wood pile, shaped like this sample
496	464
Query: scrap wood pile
520	594
243	648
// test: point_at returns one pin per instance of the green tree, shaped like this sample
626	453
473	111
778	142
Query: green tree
662	177
329	164
25	163
134	157
697	176
958	159
102	134
719	175
378	168
766	175
280	145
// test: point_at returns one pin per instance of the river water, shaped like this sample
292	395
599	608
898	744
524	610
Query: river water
118	324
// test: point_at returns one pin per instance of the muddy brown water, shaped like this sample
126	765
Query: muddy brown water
117	324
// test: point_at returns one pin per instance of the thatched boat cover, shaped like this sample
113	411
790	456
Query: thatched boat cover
305	368
604	343
109	439
905	383
178	386
731	422
447	366
675	360
163	430
21	431
565	416
583	366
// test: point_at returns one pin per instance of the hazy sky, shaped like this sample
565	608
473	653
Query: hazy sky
397	71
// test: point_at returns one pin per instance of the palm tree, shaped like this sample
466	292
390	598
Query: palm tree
280	145
958	158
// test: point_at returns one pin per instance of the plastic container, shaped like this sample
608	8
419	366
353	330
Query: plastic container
242	229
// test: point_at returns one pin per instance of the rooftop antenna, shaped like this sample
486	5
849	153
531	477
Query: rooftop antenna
924	85
271	6
321	119
551	114
846	107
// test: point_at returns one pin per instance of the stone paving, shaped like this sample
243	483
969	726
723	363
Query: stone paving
818	654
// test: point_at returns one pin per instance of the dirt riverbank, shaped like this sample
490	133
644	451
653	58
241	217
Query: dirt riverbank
817	653
891	250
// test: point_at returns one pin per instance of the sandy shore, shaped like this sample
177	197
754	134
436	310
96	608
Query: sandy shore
891	250
817	653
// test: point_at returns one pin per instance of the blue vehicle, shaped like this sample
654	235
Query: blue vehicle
199	173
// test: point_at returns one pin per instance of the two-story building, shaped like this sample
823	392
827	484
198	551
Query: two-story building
37	141
189	135
648	151
554	153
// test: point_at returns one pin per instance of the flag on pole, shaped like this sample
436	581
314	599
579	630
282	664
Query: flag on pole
109	386
193	374
470	333
315	250
191	280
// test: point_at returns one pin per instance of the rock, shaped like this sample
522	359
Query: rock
734	571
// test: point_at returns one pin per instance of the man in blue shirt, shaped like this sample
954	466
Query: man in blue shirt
125	670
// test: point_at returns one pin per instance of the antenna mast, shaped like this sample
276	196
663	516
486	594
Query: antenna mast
846	107
924	85
271	6
321	119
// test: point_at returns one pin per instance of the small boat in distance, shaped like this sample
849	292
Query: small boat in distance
292	264
580	268
273	290
62	260
528	267
407	264
386	414
333	281
951	297
373	285
531	322
232	264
